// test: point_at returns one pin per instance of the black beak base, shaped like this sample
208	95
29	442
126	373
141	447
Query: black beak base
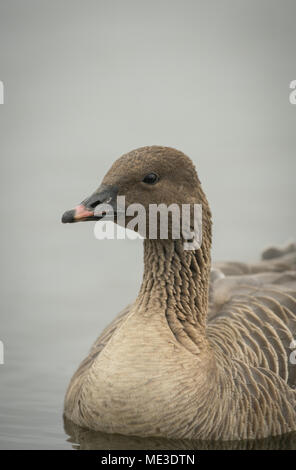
105	194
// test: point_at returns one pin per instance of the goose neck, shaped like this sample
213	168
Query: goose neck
176	282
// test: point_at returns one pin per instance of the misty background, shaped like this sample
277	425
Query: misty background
85	82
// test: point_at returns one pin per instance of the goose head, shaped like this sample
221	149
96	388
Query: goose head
148	175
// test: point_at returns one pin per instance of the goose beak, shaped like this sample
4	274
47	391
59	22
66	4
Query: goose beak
86	210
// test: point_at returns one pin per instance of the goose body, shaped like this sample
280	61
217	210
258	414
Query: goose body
196	356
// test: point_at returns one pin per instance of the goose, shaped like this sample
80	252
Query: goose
200	354
86	439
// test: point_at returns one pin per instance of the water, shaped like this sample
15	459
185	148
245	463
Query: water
84	83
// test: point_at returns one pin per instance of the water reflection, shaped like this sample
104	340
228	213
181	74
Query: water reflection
85	439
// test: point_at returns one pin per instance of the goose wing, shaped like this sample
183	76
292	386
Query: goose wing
253	317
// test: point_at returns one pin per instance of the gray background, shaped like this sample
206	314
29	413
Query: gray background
86	81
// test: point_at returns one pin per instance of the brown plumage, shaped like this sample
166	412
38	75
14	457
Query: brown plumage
182	362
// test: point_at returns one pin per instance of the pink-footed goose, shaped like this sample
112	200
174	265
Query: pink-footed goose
187	361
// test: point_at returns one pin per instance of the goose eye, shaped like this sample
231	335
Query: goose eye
151	178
